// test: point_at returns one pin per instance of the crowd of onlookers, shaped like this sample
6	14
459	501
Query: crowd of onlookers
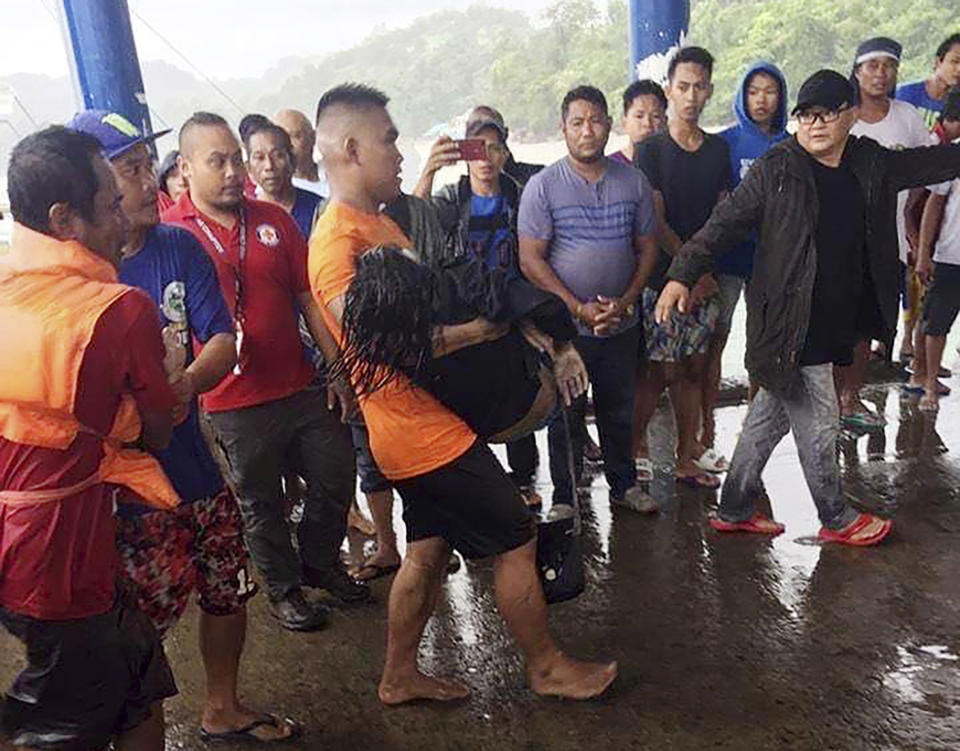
203	356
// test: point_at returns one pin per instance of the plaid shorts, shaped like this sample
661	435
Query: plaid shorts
683	335
165	555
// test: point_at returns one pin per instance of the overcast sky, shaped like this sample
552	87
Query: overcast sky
224	38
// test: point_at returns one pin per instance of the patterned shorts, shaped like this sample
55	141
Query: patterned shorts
165	555
684	335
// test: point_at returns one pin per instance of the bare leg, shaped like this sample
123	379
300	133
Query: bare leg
381	509
934	346
852	378
650	384
147	736
221	645
919	376
413	598
710	390
686	393
520	602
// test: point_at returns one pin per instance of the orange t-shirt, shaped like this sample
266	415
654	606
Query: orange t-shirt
411	433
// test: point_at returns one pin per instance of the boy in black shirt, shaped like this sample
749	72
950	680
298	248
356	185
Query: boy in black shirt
689	171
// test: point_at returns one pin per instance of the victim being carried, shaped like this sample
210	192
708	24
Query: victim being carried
394	314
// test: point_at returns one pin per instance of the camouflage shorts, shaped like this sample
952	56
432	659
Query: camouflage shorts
166	555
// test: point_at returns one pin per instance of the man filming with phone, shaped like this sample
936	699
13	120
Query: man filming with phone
481	208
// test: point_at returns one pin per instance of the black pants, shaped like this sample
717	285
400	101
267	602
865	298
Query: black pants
523	459
259	443
612	365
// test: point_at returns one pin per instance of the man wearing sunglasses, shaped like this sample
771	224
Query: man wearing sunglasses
823	204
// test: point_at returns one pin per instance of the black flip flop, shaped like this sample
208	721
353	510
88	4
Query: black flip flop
245	734
379	571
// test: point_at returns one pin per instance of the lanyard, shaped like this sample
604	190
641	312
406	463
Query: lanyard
236	269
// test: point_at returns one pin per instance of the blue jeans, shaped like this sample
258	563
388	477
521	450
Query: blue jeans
808	409
612	366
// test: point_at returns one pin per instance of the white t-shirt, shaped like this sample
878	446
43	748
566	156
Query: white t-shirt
902	128
947	248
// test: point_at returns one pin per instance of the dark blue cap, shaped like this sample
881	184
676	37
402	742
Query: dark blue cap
116	134
877	48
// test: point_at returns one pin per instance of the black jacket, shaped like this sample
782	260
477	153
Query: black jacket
453	209
778	198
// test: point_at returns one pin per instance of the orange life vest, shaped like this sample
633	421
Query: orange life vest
52	293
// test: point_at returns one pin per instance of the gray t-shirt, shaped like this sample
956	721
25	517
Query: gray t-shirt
590	227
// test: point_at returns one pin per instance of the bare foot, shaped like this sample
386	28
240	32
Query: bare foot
262	726
572	679
420	686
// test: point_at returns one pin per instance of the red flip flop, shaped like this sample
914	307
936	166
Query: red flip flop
757	524
863	531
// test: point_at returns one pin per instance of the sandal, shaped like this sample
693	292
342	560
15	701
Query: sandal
863	421
711	461
700	480
644	467
377	571
865	530
246	732
757	524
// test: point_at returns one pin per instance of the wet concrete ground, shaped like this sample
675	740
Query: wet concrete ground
724	642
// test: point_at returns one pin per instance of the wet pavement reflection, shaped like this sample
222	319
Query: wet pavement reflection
726	642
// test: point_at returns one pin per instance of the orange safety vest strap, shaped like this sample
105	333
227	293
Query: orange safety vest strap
33	497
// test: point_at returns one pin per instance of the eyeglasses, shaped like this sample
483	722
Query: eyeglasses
824	116
495	149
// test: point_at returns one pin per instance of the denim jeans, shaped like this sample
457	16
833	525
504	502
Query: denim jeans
808	409
259	442
612	366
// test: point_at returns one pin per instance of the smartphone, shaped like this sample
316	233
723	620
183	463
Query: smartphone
472	149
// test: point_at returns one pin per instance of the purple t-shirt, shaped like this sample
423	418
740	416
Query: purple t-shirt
590	227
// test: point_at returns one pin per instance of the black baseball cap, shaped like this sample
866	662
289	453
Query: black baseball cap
827	89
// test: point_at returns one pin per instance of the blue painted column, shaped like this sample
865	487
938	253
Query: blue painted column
103	58
657	27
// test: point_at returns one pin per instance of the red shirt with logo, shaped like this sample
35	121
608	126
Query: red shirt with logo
272	361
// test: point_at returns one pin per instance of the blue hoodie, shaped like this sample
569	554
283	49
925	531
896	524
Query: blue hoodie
747	143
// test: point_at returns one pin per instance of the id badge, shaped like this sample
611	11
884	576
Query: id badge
237	370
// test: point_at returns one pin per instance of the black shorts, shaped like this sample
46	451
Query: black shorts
942	302
471	503
86	680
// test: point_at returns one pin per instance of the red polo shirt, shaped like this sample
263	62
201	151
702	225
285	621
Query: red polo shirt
273	363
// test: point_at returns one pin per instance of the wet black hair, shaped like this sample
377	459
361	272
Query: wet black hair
273	129
248	123
54	165
583	94
387	328
354	95
643	87
951	105
697	55
946	45
200	120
